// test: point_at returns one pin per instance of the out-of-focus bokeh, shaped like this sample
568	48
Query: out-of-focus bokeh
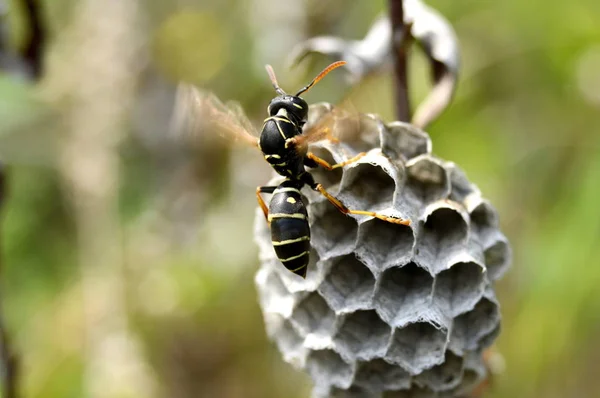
127	255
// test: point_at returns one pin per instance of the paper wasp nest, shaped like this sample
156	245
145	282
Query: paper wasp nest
388	310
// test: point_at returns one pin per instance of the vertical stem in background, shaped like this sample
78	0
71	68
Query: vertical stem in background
91	80
32	57
400	40
9	360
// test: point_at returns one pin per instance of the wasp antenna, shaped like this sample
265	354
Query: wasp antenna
321	75
273	78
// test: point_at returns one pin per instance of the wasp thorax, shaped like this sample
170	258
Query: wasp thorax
296	107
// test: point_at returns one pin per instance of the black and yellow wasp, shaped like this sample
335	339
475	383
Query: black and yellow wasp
284	145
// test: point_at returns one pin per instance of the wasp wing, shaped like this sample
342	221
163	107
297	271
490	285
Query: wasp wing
339	123
198	112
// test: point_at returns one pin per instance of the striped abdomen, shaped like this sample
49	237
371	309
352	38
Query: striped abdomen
290	232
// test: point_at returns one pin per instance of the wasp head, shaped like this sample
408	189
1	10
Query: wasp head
296	107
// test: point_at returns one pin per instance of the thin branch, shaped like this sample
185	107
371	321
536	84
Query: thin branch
32	58
10	368
33	52
400	46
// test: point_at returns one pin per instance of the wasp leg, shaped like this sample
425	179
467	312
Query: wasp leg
323	163
261	201
341	207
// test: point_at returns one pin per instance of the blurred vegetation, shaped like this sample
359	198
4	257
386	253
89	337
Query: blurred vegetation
524	126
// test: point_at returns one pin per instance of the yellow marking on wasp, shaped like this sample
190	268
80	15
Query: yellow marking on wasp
283	260
299	216
281	119
291	200
296	105
298	269
280	131
280	164
289	241
281	190
272	157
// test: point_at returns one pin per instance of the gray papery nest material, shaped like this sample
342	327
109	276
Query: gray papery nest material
388	309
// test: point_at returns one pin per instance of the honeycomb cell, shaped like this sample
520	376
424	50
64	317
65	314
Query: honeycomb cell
461	188
352	392
484	220
289	341
382	245
295	283
327	368
497	259
427	180
362	335
367	187
414	392
332	232
444	234
474	374
313	316
349	285
417	346
445	376
402	292
276	299
457	289
379	375
328	178
470	328
404	141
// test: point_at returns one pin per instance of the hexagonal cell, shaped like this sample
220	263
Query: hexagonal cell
349	285
326	177
402	292
382	245
352	392
475	327
295	283
404	141
274	297
444	234
326	367
497	259
367	187
417	347
484	219
332	232
414	392
362	335
427	180
457	289
460	185
289	343
474	374
379	375
313	316
445	376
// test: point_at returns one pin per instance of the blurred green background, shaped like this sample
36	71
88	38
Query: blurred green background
128	258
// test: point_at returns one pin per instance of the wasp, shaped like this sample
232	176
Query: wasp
284	143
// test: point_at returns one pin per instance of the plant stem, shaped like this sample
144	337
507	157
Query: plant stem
400	40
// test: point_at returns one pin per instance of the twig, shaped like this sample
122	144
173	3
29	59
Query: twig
33	52
32	57
10	368
400	44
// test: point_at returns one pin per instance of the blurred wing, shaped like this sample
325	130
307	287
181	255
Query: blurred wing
336	124
198	112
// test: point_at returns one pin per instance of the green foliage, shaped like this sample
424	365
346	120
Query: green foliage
524	126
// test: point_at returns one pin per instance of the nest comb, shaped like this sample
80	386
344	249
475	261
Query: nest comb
388	310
